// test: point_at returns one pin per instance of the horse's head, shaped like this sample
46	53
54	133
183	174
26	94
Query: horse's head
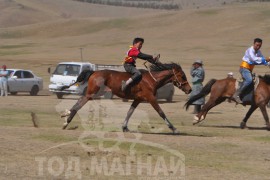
177	75
179	78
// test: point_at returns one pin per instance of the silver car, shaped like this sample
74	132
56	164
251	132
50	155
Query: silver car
24	81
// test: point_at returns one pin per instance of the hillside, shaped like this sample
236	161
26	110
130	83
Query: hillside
58	28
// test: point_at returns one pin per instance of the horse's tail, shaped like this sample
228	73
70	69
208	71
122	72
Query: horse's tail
204	92
83	77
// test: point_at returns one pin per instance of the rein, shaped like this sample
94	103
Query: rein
178	83
149	71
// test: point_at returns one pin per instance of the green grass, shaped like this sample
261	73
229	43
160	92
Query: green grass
11	34
106	25
14	53
15	49
22	117
265	139
56	138
16	46
210	12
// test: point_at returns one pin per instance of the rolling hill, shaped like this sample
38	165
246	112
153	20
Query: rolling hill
46	32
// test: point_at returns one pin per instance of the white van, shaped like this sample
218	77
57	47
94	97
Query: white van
65	74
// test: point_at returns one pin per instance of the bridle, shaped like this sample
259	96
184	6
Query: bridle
177	82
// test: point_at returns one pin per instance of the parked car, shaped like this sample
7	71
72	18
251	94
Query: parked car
66	73
24	81
166	92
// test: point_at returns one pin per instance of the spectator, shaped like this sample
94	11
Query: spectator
3	80
197	74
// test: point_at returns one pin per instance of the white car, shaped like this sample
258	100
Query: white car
24	81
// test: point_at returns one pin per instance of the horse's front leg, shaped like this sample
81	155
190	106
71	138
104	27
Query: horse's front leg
156	106
129	113
265	115
252	108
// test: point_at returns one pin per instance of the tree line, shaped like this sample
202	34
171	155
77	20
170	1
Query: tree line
153	4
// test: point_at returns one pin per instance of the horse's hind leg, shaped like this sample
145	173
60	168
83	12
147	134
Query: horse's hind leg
72	112
129	113
252	108
155	105
209	105
265	115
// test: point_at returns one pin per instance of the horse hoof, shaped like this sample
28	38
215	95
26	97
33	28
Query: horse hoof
175	131
125	129
195	122
65	113
243	125
65	125
196	118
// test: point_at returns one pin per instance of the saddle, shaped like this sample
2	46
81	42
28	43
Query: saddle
248	93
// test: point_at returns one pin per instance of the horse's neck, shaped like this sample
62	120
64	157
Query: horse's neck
162	77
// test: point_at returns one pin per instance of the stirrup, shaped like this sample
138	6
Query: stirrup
238	100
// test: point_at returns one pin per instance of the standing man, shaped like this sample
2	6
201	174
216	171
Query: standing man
130	62
252	57
3	80
197	74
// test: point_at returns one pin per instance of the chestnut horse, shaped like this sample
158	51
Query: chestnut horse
224	89
145	90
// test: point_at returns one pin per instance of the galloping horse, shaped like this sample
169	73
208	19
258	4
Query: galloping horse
145	90
224	89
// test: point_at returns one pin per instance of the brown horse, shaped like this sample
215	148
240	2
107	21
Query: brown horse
224	89
145	90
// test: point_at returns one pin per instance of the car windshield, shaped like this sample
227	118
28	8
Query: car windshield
67	70
10	73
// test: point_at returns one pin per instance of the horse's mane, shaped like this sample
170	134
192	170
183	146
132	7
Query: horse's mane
265	78
162	67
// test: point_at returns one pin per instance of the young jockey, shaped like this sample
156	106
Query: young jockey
252	57
130	62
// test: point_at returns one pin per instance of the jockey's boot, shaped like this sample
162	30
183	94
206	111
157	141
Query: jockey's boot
125	84
236	96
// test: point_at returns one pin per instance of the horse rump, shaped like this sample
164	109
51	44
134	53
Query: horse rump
83	77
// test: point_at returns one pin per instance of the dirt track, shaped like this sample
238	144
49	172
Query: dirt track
217	148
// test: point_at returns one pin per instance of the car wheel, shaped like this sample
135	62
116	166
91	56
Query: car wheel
59	95
108	95
34	90
13	93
